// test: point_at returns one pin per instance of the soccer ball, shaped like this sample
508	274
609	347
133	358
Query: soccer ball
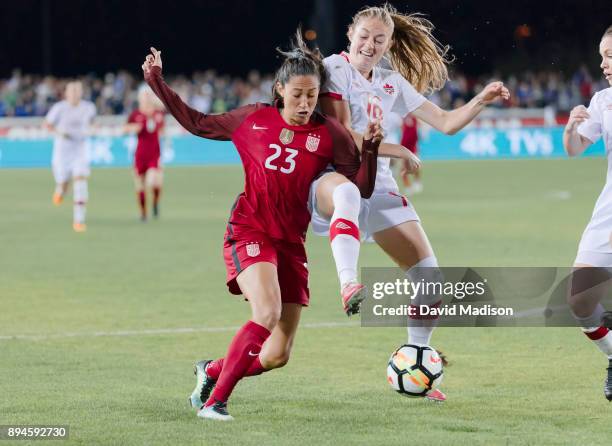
414	370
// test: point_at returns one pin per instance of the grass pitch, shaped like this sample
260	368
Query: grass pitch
109	322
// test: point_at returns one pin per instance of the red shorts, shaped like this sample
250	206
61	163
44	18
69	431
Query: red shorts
142	164
247	248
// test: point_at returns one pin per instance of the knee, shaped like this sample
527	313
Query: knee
347	194
578	305
268	316
276	361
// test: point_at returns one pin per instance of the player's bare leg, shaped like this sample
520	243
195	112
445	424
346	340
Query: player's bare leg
259	284
154	181
409	248
60	192
139	186
587	287
339	201
80	196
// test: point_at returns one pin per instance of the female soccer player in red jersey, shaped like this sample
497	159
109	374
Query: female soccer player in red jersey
147	122
410	140
359	87
283	148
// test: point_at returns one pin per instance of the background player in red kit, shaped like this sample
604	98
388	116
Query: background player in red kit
283	148
410	139
148	123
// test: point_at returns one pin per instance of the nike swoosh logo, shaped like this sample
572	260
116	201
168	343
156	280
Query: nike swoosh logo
256	127
253	354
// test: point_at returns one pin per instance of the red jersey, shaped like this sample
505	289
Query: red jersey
280	160
410	135
148	137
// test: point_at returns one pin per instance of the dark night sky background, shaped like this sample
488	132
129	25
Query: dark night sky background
71	37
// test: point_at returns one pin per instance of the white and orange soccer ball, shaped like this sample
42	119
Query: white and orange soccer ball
414	370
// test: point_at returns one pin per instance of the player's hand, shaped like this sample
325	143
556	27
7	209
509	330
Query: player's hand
374	131
152	60
577	116
492	92
411	164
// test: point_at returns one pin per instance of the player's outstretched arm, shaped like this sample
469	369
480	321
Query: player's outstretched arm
450	122
219	127
573	142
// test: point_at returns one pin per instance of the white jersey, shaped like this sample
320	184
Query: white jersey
73	122
69	149
597	237
387	88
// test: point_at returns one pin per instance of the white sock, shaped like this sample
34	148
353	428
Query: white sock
59	190
420	330
80	196
344	231
591	327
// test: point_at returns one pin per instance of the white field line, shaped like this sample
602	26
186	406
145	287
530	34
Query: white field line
157	331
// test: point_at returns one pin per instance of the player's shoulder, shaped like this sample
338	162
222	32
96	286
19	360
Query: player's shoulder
59	105
334	126
257	113
337	63
603	97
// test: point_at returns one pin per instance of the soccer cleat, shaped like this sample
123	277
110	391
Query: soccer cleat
204	385
608	382
79	227
436	396
606	320
217	411
57	199
353	294
442	357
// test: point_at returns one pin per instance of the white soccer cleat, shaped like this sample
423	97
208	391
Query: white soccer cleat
353	294
204	385
217	411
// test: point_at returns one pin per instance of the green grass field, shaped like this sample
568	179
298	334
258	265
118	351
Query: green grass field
91	309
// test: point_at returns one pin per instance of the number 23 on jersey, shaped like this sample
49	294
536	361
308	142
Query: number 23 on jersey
289	159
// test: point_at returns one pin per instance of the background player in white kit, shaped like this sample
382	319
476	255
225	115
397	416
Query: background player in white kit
585	127
359	87
70	120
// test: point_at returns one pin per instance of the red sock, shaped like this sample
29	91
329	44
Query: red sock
214	368
156	193
241	353
142	201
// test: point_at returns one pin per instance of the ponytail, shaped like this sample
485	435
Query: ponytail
299	61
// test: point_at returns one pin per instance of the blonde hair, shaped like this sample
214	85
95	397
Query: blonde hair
415	53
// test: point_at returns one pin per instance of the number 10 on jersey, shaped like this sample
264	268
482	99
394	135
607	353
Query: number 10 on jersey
289	159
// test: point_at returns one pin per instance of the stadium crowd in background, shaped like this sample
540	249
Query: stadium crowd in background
208	91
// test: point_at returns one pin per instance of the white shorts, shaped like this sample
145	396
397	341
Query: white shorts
383	210
595	248
66	166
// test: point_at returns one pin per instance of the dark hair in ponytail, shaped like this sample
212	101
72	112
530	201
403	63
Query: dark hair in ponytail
299	61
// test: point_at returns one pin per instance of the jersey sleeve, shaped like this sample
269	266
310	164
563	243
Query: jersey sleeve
132	118
338	78
53	114
219	127
347	161
592	127
409	99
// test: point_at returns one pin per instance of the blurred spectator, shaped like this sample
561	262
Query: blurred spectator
210	92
